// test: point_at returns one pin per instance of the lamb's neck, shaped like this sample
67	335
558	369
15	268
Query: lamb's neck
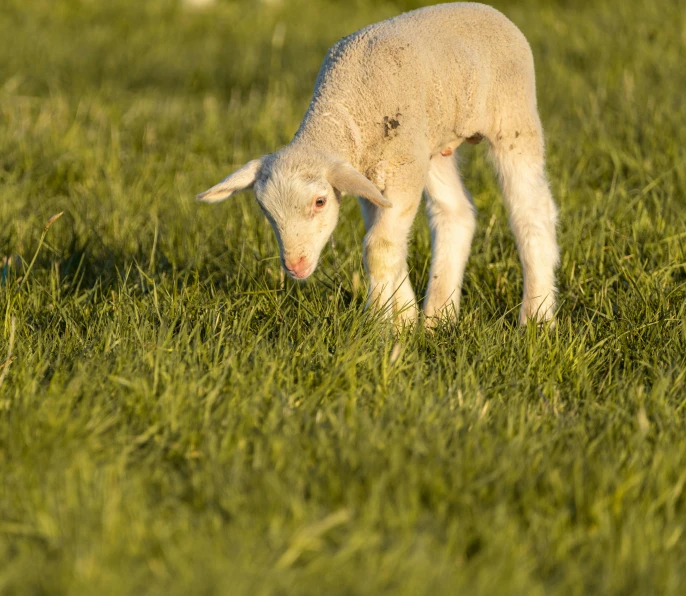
328	127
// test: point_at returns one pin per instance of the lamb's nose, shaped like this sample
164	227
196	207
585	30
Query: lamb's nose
297	268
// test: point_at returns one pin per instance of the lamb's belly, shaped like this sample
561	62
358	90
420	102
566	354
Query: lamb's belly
448	144
453	124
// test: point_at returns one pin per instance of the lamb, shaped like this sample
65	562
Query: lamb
391	104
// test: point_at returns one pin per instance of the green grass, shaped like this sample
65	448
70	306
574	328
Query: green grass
177	418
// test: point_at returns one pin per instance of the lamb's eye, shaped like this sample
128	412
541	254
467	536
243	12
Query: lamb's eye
320	202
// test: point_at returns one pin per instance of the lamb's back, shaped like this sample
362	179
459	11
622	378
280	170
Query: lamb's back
430	71
416	46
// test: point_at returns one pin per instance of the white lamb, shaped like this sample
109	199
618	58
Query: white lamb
390	105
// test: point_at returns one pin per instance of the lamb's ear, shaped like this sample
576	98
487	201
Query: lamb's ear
241	179
347	180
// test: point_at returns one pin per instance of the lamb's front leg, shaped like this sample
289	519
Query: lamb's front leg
385	255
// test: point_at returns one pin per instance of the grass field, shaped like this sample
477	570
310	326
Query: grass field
177	418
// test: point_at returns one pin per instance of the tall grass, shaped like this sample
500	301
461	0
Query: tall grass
177	417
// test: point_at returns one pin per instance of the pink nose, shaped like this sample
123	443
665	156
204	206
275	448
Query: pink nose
297	268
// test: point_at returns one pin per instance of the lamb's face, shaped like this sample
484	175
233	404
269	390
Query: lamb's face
299	191
302	208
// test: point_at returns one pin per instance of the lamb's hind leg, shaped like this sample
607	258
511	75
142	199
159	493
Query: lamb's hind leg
519	157
452	221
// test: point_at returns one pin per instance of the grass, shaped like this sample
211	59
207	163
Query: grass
177	418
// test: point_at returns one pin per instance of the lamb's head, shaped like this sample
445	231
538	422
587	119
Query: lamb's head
299	193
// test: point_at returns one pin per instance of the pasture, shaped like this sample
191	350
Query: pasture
177	417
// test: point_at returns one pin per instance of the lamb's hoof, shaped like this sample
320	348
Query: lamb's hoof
541	312
405	318
431	322
396	318
475	139
436	318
